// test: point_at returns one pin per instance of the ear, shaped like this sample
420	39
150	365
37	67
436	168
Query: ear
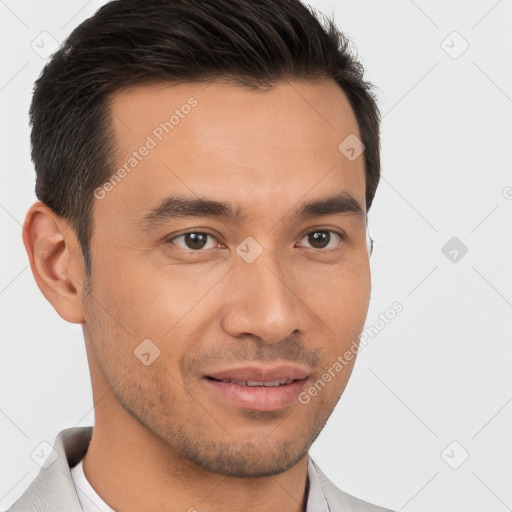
56	260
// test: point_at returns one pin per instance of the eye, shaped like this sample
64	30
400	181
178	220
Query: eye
322	238
196	241
193	240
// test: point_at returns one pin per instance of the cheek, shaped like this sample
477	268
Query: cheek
340	297
342	307
137	300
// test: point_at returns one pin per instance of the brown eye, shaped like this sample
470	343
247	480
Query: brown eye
194	240
321	239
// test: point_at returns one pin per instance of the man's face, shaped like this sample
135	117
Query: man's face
270	296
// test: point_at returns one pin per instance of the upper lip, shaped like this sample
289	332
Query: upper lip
260	373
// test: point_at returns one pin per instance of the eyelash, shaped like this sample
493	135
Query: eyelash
341	235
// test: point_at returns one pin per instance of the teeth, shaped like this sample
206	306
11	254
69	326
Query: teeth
254	383
238	382
273	383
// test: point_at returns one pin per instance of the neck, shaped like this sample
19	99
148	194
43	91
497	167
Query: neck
132	469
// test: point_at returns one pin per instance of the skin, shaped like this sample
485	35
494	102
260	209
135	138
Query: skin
163	440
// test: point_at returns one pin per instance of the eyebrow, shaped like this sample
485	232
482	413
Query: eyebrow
180	206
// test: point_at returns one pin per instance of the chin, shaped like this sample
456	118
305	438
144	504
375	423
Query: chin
246	459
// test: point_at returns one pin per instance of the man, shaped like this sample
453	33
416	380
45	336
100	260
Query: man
204	171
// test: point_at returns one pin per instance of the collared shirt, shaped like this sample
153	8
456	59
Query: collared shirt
91	502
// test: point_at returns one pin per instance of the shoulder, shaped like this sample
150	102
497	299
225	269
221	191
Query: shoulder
339	500
53	490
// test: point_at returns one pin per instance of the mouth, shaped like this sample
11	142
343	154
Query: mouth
254	383
258	388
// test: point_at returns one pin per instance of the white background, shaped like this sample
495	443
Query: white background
440	371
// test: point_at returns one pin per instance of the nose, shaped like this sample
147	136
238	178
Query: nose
264	301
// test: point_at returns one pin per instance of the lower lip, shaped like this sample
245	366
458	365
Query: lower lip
259	398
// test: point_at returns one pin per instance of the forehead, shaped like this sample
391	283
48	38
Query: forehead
304	109
264	148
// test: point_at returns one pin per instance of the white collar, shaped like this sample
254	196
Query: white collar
87	496
91	502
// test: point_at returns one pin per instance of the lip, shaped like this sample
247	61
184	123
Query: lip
258	398
261	373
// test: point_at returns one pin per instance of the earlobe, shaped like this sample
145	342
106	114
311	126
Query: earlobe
56	260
